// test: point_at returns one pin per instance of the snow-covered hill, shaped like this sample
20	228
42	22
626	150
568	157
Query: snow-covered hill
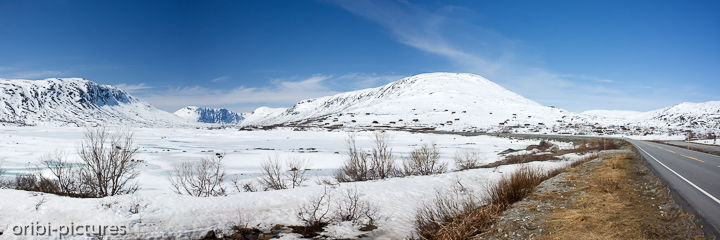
208	115
430	98
76	102
468	102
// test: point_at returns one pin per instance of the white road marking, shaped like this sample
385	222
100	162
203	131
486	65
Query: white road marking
681	177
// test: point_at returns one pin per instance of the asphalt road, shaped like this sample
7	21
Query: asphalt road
693	177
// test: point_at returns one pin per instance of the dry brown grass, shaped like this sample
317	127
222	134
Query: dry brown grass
457	215
612	208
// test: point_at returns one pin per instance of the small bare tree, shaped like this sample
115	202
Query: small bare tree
109	168
361	167
272	174
355	208
382	160
243	186
291	175
468	158
200	179
356	166
316	212
424	161
298	168
67	177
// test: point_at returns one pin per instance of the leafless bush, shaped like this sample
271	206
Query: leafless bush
356	166
297	171
244	186
517	186
595	145
136	205
316	213
362	167
67	177
277	177
382	160
424	161
434	216
353	207
40	202
468	158
273	174
109	168
200	179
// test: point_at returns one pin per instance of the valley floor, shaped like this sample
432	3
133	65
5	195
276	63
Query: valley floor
162	213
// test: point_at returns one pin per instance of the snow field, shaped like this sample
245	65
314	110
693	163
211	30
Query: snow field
164	213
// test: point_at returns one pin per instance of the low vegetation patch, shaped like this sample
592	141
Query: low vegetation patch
459	215
107	167
614	196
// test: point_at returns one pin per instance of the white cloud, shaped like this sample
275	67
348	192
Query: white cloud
483	51
133	88
282	92
221	79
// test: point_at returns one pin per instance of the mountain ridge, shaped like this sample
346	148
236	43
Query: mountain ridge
76	102
209	115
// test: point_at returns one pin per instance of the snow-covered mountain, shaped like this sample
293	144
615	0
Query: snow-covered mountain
463	101
76	102
430	98
208	115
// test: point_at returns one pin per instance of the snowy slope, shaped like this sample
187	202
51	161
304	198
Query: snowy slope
208	115
425	97
76	102
691	115
463	101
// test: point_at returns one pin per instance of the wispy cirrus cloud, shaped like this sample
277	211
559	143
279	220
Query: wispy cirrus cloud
220	79
444	32
133	88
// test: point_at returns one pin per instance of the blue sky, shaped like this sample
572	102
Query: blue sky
577	55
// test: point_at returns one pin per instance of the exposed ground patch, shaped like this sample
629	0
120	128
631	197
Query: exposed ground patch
614	196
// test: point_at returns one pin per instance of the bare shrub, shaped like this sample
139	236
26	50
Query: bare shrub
67	177
297	171
355	208
424	161
433	218
595	145
528	157
277	177
244	186
272	174
200	179
517	186
109	168
40	202
382	160
136	205
468	158
356	166
380	164
316	212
